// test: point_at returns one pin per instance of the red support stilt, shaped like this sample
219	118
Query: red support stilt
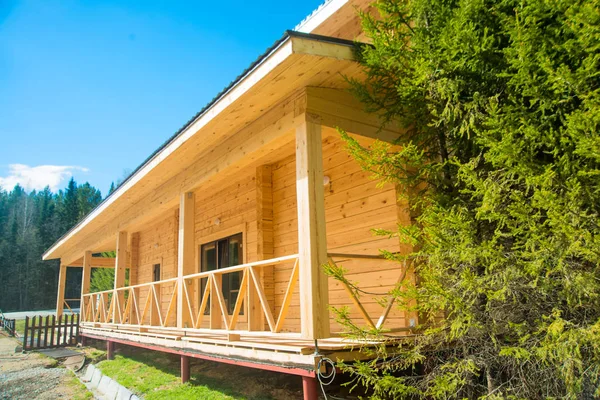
185	369
309	386
110	348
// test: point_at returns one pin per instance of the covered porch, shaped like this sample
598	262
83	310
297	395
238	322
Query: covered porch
263	166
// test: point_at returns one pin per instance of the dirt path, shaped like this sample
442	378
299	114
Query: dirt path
34	376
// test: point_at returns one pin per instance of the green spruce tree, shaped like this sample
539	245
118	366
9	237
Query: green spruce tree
70	206
500	162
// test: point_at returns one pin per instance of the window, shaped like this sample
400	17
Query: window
220	254
156	272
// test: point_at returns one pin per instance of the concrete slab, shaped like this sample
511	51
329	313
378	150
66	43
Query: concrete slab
87	377
105	388
103	384
60	352
96	377
111	390
124	394
75	363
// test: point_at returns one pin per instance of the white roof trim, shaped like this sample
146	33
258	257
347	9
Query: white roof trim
320	15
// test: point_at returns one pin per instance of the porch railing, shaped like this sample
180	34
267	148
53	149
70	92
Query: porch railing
141	305
154	304
385	297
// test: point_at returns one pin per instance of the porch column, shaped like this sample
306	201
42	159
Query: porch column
185	259
85	281
60	296
185	368
110	350
312	238
120	266
133	247
310	388
264	249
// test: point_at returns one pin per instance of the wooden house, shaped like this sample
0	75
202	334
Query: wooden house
224	229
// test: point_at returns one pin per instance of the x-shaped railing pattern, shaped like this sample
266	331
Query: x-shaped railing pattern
122	305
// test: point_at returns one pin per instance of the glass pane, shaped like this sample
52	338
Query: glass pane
235	250
223	254
233	295
209	257
235	258
208	262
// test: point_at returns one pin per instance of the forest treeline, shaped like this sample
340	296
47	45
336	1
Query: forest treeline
29	224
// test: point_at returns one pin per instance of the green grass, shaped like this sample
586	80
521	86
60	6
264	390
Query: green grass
156	376
94	355
136	375
20	326
188	391
78	389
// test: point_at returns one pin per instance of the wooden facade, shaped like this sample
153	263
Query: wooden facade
225	229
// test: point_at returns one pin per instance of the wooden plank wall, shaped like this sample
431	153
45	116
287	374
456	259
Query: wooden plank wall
353	205
157	244
227	210
353	202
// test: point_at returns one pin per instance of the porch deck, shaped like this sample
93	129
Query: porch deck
133	315
287	351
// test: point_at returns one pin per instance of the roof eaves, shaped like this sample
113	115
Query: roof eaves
286	36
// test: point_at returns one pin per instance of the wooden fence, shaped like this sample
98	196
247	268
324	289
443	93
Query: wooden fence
42	333
7	324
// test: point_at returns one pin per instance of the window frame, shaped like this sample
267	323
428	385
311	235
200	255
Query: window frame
214	238
154	265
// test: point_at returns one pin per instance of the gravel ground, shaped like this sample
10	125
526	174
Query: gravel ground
32	383
33	376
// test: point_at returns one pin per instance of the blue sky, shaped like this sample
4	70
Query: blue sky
91	88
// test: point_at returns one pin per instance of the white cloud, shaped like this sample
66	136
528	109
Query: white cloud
38	177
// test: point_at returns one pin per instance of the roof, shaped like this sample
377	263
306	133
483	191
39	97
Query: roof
123	187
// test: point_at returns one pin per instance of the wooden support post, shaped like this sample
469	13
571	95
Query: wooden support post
155	303
134	257
185	259
407	215
309	387
185	369
86	275
216	318
60	296
264	249
110	350
312	238
120	266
